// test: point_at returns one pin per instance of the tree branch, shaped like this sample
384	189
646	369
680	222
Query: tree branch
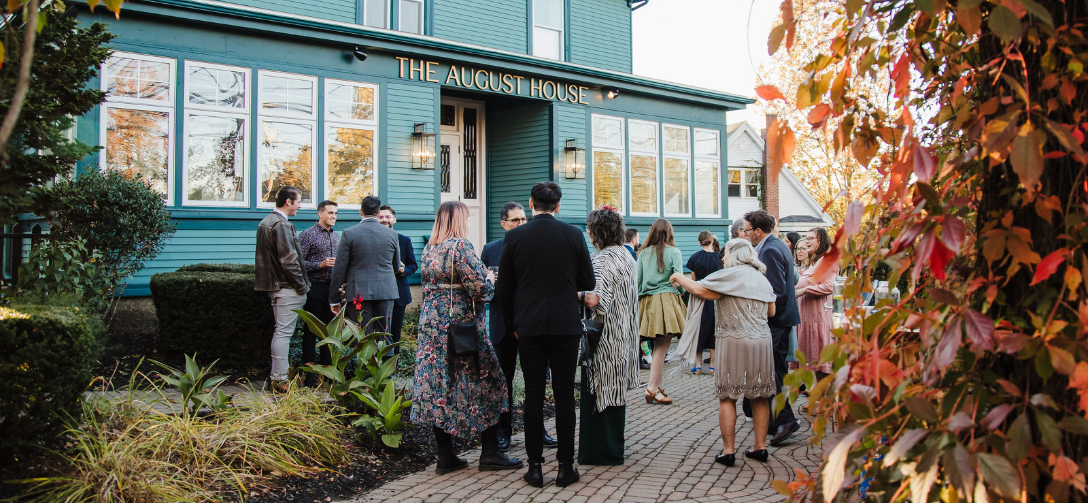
23	84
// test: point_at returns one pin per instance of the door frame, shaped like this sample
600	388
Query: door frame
482	172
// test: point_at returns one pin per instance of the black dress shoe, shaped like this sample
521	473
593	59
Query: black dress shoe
534	476
549	442
491	458
784	433
760	455
726	459
448	465
568	475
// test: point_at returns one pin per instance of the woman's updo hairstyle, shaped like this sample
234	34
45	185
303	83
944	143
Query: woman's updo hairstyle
741	252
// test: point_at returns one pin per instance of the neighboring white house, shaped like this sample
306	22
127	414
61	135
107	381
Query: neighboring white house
787	199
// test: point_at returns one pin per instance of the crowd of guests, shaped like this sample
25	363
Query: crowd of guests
751	303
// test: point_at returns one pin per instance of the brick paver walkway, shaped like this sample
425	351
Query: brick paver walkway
670	457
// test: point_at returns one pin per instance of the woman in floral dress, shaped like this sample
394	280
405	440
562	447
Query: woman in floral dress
460	396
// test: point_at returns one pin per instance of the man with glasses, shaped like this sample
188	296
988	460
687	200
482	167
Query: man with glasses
506	347
737	231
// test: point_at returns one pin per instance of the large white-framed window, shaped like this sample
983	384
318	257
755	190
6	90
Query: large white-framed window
216	135
286	135
607	157
643	167
708	173
411	16
137	122
676	170
351	141
548	27
375	13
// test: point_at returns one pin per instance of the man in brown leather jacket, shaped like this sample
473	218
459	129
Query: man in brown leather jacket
280	272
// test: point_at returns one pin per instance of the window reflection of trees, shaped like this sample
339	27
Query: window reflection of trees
643	184
676	186
706	188
287	151
607	180
139	143
351	164
216	169
136	78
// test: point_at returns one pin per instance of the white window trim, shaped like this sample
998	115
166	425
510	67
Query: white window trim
710	158
619	151
104	124
169	102
189	64
562	31
332	121
400	19
656	153
244	203
262	112
685	156
743	171
314	199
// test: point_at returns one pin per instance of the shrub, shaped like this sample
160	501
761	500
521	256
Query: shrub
66	269
207	310
231	268
46	354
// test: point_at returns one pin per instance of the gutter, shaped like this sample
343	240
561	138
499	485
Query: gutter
636	4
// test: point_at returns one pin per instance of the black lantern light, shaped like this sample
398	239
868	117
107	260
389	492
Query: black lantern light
423	147
575	160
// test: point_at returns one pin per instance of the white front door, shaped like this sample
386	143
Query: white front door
461	162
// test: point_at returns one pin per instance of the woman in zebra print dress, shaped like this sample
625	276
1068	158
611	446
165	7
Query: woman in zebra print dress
613	369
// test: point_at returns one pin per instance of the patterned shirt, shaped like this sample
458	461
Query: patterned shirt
318	243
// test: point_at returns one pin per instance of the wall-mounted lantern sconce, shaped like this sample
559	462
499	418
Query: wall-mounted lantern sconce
359	53
575	160
612	93
423	147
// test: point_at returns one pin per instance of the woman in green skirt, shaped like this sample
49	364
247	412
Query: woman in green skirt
661	310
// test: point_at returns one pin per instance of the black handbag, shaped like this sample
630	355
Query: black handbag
591	334
464	338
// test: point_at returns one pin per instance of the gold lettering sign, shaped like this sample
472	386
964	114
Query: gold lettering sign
487	80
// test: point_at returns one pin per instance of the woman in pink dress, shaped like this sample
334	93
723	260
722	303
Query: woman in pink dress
814	301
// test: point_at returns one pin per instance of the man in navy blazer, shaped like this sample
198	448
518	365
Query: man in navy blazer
776	255
387	216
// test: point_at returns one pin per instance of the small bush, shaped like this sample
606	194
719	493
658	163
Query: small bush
212	310
46	354
66	268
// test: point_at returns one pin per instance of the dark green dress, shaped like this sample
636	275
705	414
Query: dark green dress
601	435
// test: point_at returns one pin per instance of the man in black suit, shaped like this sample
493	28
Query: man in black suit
545	263
387	216
512	216
775	254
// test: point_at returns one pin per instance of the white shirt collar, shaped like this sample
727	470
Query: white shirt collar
762	242
284	215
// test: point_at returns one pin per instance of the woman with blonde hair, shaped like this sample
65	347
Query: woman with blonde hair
460	396
660	308
744	357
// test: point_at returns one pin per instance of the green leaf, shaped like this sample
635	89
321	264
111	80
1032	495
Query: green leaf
316	326
960	469
1076	425
392	440
1004	23
922	408
997	473
328	371
1037	10
1020	439
1051	435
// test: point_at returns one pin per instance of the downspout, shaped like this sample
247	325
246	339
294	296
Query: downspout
636	4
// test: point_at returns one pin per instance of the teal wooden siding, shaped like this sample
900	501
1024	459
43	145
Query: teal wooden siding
518	157
501	24
570	122
333	10
600	34
406	188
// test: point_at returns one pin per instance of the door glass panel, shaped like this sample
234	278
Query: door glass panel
351	164
444	166
138	143
286	158
608	180
215	169
470	153
643	184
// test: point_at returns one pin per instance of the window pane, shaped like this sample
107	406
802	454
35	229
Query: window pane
137	78
607	132
286	157
706	142
753	191
374	13
676	140
285	94
734	190
608	180
706	188
751	176
410	16
215	169
351	164
734	176
219	87
643	184
676	186
547	43
350	102
643	135
138	143
548	13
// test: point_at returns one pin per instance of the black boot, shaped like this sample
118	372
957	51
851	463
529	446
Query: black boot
534	476
549	442
447	460
504	431
568	475
491	458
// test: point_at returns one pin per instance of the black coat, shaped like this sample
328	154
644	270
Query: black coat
779	261
408	258
545	263
491	256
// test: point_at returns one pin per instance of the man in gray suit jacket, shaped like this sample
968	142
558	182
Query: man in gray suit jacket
367	261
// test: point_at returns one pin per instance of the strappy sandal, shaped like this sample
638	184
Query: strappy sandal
659	397
696	370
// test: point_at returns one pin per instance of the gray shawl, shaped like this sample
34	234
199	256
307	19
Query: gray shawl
737	281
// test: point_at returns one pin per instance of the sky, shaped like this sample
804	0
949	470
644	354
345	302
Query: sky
705	43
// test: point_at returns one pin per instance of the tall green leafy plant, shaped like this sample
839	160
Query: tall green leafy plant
66	268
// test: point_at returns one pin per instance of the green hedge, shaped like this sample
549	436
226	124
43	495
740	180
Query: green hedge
46	358
212	309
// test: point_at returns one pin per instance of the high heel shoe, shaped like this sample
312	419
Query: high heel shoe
659	397
760	455
726	459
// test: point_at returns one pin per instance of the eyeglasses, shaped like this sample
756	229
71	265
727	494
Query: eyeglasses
516	220
808	238
746	231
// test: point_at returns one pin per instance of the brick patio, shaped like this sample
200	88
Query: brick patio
670	457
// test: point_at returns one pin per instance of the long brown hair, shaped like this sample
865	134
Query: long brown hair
659	237
450	222
823	244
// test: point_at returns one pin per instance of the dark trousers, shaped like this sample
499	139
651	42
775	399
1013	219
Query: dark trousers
317	304
537	353
395	324
780	339
372	309
507	352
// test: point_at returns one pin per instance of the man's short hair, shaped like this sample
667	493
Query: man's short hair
371	205
321	206
387	207
630	234
508	207
546	196
761	220
287	193
734	231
